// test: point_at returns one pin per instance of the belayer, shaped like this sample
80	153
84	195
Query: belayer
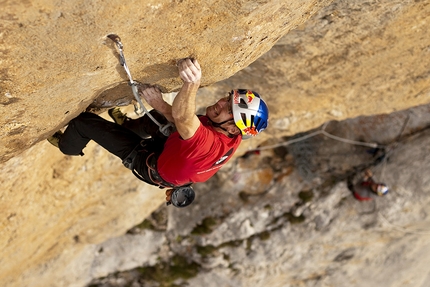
197	148
367	188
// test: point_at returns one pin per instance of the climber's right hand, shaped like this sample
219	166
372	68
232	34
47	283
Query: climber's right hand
189	70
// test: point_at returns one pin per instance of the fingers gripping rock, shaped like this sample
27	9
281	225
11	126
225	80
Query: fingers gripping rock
190	70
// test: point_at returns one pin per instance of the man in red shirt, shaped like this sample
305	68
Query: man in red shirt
194	152
367	189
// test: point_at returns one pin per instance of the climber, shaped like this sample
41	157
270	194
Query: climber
367	189
198	148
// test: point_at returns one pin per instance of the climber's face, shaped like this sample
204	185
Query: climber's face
220	111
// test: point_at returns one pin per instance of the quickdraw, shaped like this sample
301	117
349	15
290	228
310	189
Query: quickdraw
139	108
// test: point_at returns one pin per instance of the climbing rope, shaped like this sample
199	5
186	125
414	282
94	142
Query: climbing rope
373	145
391	147
305	137
323	132
139	108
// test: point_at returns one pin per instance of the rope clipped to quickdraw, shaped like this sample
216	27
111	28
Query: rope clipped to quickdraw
139	108
390	148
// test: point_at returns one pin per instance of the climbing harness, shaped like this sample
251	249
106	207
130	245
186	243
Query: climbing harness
181	196
139	108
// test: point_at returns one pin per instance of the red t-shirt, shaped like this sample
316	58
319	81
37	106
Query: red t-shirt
197	158
362	190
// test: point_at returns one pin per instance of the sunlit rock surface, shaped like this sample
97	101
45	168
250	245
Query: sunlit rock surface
56	58
349	59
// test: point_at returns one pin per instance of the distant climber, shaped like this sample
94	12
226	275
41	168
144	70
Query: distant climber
194	152
366	188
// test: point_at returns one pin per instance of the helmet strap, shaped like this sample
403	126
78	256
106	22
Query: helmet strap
219	125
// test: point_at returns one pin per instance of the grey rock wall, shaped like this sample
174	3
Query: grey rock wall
304	229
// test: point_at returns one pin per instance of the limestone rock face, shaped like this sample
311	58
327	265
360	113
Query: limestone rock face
350	58
56	58
306	229
55	61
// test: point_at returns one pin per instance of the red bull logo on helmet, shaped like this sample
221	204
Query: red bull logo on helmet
250	131
250	96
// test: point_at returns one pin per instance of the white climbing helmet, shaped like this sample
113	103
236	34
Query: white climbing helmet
250	112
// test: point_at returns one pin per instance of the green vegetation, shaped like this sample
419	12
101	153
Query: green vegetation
206	250
277	221
265	235
180	238
210	249
146	224
294	219
249	243
306	196
205	227
166	273
233	243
